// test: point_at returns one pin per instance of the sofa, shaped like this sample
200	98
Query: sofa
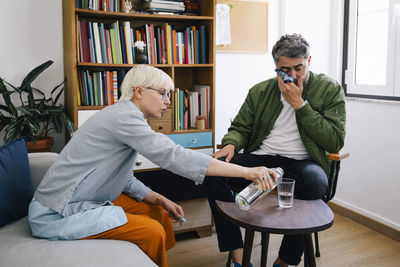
18	247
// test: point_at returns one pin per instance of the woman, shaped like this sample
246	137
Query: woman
91	192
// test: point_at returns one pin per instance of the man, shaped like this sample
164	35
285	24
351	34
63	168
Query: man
91	192
283	124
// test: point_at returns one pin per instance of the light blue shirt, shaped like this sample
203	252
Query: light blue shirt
74	199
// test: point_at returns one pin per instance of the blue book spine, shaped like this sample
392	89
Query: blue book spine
181	106
104	82
103	43
123	46
91	43
84	88
90	88
203	58
197	47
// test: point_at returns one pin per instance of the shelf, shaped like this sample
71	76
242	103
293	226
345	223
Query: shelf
115	66
129	16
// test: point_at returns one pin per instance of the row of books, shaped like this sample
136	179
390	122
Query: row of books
189	104
114	43
104	5
168	45
99	88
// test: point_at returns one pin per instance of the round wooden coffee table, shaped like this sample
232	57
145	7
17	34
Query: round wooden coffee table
304	218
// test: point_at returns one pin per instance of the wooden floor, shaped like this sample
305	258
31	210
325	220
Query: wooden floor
345	244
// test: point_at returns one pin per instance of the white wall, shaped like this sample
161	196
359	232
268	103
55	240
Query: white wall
32	34
369	180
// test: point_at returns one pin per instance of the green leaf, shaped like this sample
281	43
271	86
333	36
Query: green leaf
11	135
5	108
33	74
59	93
69	124
26	110
38	91
7	99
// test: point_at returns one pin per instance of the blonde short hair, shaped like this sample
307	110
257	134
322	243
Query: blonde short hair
144	76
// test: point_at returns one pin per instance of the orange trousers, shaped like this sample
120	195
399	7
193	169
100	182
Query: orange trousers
148	226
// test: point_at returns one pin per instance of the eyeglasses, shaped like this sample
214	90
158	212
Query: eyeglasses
165	95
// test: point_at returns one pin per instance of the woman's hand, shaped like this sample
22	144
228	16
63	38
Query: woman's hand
175	211
262	176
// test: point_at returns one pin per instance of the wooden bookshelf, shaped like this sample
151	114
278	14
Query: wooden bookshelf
185	76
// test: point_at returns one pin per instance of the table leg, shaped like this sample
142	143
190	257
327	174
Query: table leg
264	248
248	246
309	251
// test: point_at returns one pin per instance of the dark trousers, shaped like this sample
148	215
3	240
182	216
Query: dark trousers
311	183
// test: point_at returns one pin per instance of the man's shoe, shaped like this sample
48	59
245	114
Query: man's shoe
235	264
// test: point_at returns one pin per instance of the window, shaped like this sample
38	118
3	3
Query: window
372	48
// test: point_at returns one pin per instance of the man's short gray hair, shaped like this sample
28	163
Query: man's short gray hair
144	76
291	45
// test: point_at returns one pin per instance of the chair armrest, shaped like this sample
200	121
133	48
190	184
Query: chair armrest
331	156
338	156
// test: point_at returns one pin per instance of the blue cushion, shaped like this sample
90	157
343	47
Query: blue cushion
16	188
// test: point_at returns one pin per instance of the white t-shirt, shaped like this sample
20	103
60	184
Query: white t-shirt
284	138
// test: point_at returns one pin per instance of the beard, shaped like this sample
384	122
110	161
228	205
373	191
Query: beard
306	78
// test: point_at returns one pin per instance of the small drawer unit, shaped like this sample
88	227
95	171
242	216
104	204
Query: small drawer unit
163	124
191	140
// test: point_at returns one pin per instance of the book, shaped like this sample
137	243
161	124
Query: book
197	47
115	85
203	91
90	88
118	42
203	47
152	47
169	43
186	45
108	46
122	44
194	45
91	43
173	48
97	44
83	27
128	42
113	45
181	110
180	47
103	43
193	107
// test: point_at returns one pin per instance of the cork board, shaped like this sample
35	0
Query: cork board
249	27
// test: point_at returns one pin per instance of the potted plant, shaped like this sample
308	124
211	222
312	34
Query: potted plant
27	112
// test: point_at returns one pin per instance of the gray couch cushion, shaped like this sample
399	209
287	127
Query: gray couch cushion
39	163
19	249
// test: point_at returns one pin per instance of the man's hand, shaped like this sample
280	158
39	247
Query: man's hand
227	151
292	92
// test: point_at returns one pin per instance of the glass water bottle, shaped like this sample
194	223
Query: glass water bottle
253	192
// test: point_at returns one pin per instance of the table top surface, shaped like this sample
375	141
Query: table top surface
305	216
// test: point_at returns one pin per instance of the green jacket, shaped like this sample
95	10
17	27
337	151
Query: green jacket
321	122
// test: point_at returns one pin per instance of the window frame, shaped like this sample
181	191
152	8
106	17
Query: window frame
390	91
